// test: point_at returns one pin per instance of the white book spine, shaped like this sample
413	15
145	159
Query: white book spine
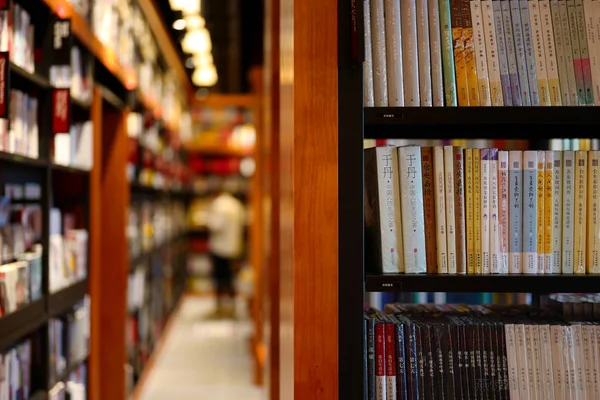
485	211
596	347
503	220
561	55
393	41
593	48
440	208
533	354
568	200
596	34
539	50
556	337
557	187
541	176
530	57
589	340
492	53
495	262
578	350
593	221
522	362
547	374
511	53
502	54
569	375
435	40
483	82
450	216
515	14
568	51
410	54
411	199
369	99
515	211
512	363
530	212
550	51
424	54
380	92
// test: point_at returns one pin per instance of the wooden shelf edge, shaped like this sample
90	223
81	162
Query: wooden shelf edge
17	325
218	151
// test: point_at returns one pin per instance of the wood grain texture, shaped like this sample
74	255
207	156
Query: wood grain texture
309	205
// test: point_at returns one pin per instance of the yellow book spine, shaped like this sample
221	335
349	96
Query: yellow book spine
579	226
469	211
544	92
554	88
541	177
593	234
477	210
548	212
472	81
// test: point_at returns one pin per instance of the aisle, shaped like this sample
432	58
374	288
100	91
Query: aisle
202	359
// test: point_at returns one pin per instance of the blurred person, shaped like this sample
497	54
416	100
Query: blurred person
225	223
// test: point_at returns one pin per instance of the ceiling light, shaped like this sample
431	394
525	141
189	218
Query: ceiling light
179	25
186	6
194	22
197	41
205	76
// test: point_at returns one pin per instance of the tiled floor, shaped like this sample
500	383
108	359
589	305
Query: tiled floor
202	359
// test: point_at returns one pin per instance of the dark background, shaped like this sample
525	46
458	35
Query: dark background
236	29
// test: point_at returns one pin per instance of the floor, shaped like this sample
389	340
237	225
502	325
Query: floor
202	359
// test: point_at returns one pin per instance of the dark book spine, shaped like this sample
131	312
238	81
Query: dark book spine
370	358
486	350
421	361
429	382
401	368
472	363
481	382
413	367
440	347
452	377
372	213
492	351
503	360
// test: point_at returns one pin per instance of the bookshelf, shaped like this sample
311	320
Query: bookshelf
356	124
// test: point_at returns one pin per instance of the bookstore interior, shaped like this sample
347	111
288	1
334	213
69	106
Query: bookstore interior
421	213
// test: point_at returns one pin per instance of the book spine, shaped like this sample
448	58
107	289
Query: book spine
530	58
568	214
593	233
424	54
469	50
491	47
459	210
561	52
494	214
380	381
571	50
502	53
550	49
411	200
368	99
440	206
557	187
533	357
579	226
503	185
540	52
469	196
512	364
511	53
435	42
596	34
586	69
548	212
483	81
546	363
485	210
557	364
541	179
450	212
379	58
449	78
429	209
515	14
576	49
477	210
522	362
393	40
410	55
460	62
594	51
530	212
579	362
390	362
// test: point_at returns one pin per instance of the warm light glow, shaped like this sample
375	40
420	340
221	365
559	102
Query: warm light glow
197	41
205	76
179	25
186	6
194	22
202	59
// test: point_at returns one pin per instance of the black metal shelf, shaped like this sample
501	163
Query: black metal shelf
22	160
17	325
62	302
35	78
477	122
557	283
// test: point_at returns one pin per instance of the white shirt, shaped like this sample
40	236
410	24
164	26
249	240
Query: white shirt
226	224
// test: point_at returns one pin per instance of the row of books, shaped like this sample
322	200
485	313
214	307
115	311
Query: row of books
450	210
482	53
68	257
500	144
76	148
19	134
17	36
15	379
480	352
